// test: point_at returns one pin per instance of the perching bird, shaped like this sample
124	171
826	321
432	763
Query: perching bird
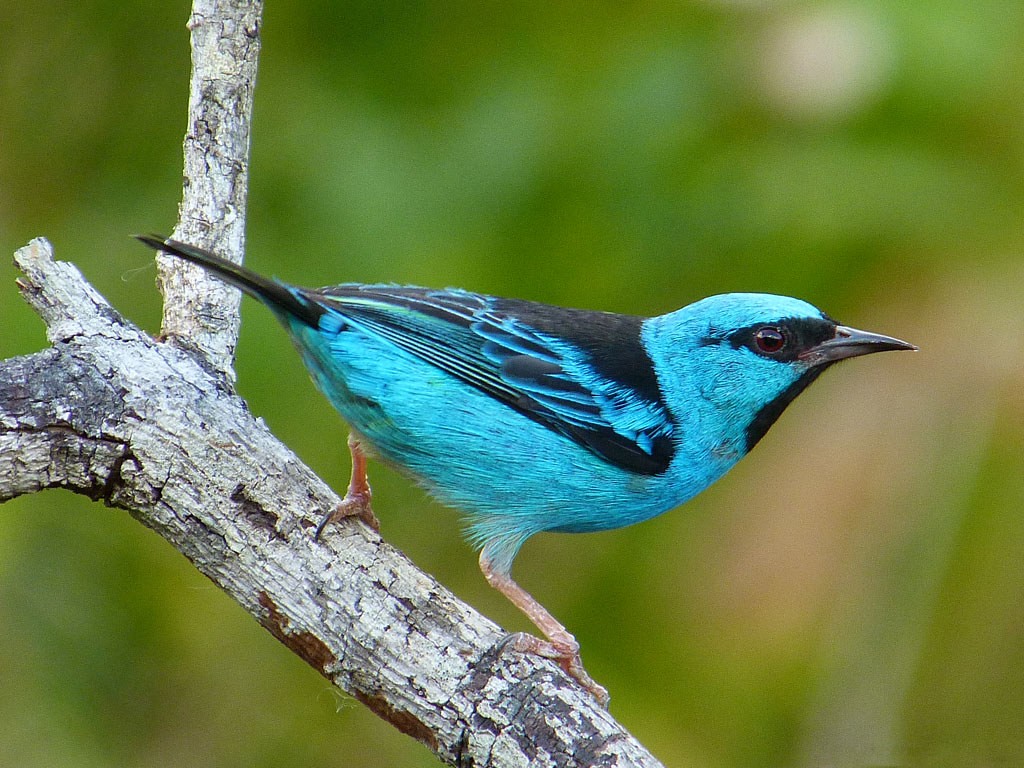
530	417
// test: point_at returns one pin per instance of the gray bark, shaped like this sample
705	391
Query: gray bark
225	50
148	427
155	428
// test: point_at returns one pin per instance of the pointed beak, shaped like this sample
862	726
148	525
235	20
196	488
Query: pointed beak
849	342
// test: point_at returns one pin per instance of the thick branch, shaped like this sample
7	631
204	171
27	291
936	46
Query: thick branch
155	429
148	427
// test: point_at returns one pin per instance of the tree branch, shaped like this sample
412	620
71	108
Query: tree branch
198	308
154	428
147	427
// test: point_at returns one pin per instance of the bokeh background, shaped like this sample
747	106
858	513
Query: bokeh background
851	595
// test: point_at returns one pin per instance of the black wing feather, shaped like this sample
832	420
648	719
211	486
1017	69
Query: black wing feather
583	374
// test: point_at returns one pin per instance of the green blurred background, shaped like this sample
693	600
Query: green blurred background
851	595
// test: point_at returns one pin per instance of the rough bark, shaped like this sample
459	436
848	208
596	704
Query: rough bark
143	425
199	308
155	428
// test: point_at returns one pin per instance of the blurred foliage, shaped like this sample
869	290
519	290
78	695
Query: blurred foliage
852	594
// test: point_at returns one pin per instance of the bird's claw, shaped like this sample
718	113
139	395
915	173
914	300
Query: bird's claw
353	505
566	652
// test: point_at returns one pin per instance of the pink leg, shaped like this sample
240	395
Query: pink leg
357	498
560	645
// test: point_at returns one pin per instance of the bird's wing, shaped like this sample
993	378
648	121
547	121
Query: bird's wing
585	375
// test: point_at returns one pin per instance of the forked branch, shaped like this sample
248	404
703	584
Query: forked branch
155	428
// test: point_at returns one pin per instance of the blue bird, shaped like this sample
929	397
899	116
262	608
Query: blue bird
530	417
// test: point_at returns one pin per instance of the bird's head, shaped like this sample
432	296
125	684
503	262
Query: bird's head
737	360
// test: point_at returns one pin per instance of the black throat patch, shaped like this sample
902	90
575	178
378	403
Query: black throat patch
770	413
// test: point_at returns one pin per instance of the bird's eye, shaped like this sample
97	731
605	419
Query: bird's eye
769	339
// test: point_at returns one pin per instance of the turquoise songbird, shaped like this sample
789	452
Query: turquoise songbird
530	417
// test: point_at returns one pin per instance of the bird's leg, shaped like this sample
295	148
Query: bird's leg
560	645
357	498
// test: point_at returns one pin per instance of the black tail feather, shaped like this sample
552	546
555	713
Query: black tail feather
272	293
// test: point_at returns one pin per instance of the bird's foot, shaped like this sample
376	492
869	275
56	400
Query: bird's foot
357	498
563	650
355	504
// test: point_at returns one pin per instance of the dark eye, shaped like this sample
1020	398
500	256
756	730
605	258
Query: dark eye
769	339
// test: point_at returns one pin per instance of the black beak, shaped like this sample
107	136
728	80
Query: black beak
849	342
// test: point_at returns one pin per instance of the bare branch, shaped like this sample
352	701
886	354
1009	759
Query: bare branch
225	50
148	427
155	429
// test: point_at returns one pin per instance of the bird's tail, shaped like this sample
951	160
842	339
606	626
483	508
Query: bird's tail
279	297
